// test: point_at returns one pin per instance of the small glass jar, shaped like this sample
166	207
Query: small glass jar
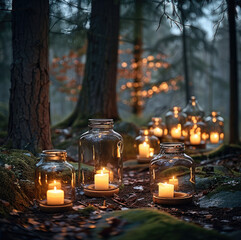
175	120
193	109
100	159
147	145
215	128
172	175
54	181
158	127
195	133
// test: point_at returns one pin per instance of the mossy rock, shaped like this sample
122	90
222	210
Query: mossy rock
153	224
220	151
16	178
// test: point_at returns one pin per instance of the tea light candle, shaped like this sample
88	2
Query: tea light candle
144	150
56	184
55	197
102	181
151	152
214	137
104	170
158	132
174	181
165	190
195	139
176	132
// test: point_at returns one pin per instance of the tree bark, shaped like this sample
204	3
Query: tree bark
29	119
137	107
185	60
234	101
98	97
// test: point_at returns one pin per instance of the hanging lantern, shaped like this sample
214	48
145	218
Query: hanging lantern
100	159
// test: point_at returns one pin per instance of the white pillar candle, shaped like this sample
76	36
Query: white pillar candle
102	181
55	197
195	139
104	170
165	190
144	150
214	137
53	184
158	132
174	181
176	132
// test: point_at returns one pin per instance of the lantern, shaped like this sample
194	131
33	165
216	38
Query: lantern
147	145
172	175
54	181
175	120
158	127
100	159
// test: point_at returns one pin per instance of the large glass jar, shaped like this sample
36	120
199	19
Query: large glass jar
158	127
215	128
100	159
147	145
193	109
175	120
54	181
172	175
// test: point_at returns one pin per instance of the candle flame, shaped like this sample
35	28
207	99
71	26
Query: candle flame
165	183
173	177
101	172
55	188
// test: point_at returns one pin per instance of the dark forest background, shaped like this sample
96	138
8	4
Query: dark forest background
167	51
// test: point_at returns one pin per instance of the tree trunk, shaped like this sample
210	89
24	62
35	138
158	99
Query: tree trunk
29	119
137	107
185	60
98	97
234	106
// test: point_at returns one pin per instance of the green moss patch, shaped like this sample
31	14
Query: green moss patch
16	179
145	224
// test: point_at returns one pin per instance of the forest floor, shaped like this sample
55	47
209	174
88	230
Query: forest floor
87	213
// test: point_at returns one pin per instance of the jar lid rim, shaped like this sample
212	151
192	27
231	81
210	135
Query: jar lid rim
54	152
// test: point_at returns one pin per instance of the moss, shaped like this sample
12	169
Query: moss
16	178
220	151
152	224
87	211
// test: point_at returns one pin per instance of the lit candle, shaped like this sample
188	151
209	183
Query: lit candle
174	181
104	170
221	136
176	132
55	197
55	183
151	152
102	181
165	190
195	139
214	137
158	132
205	136
144	150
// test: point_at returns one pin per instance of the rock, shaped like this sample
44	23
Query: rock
145	224
224	199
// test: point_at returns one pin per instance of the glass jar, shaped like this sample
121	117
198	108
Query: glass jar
193	109
100	159
215	128
172	175
54	181
147	145
175	120
195	133
158	127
